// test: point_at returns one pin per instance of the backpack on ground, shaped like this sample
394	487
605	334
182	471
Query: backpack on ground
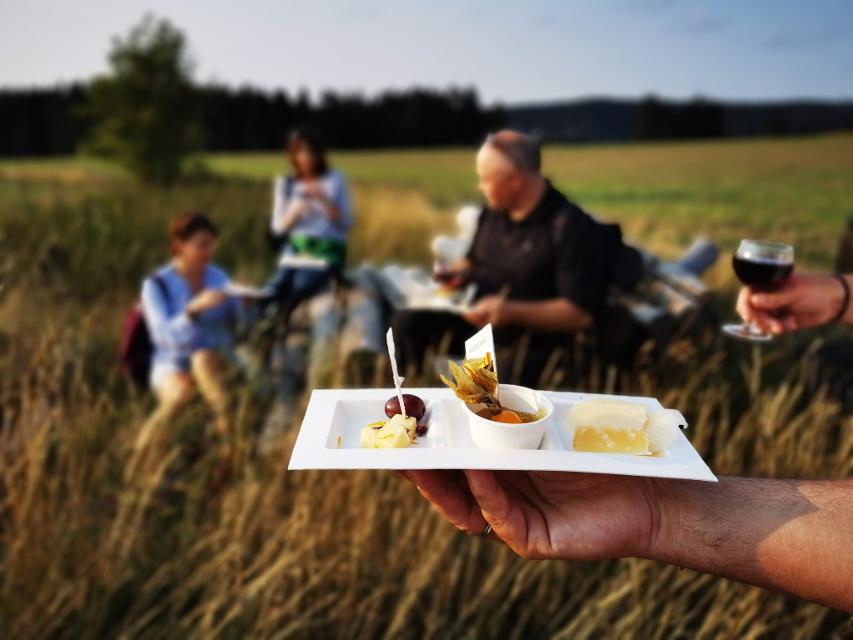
135	347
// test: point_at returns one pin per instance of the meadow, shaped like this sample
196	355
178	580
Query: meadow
85	553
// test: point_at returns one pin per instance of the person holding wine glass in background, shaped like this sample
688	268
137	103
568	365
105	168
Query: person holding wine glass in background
539	265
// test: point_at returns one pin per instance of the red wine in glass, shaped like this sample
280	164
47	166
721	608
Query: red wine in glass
762	266
448	277
759	275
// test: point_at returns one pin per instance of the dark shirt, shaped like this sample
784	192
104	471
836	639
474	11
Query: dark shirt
558	251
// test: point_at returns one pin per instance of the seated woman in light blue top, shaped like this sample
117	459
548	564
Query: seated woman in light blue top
311	216
190	319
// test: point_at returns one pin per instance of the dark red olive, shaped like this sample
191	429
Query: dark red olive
422	429
415	407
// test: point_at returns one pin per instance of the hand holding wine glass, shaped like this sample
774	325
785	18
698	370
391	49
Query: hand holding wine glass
451	275
809	300
764	267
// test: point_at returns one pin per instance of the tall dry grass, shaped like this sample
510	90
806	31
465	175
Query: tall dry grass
267	553
193	549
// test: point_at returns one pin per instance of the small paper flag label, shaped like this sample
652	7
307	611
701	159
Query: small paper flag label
481	343
398	381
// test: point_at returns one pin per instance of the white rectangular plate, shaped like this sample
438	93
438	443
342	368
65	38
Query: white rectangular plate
244	291
342	413
437	303
303	262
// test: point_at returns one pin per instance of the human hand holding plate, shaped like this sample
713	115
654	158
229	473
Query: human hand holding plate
578	516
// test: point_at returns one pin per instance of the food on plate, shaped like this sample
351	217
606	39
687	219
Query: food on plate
611	440
505	415
475	383
404	410
396	433
612	413
415	407
409	424
618	426
368	435
508	416
662	429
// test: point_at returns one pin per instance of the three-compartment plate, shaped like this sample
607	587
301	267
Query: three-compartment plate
330	439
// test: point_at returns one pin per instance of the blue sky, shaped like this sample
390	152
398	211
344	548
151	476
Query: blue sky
520	51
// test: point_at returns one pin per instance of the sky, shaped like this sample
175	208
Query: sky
513	52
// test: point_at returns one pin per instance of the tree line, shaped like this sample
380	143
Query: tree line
58	120
148	113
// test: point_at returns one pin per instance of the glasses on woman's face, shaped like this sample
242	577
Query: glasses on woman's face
763	266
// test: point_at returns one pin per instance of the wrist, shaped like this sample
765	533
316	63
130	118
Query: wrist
842	299
508	312
662	500
835	292
675	507
710	527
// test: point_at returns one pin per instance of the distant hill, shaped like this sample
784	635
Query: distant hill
605	120
583	120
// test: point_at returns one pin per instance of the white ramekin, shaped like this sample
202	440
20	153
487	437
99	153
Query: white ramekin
488	434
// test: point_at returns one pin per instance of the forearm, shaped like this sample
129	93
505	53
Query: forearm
284	223
165	329
287	213
833	296
546	315
792	536
175	332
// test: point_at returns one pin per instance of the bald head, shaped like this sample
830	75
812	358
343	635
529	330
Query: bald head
518	150
508	170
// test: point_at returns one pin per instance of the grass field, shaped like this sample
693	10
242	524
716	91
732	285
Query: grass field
799	189
266	553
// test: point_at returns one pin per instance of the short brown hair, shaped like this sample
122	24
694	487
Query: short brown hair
186	225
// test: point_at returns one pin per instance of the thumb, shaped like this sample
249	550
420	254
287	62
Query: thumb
491	497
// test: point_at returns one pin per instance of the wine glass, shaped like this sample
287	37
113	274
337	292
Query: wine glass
447	275
763	266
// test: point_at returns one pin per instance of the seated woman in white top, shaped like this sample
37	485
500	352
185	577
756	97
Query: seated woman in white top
311	215
190	319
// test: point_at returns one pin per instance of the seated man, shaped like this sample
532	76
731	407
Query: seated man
539	262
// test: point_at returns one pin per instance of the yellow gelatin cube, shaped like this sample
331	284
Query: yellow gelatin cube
611	440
